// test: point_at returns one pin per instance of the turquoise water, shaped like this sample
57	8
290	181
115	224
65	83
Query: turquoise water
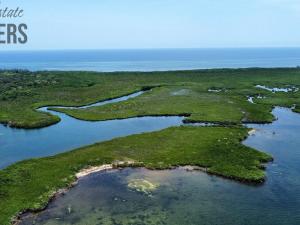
150	60
190	198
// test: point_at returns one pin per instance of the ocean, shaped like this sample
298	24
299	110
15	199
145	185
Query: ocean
150	59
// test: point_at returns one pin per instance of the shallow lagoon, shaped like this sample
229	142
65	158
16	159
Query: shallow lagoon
183	197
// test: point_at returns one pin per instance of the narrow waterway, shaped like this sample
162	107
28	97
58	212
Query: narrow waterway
140	196
70	133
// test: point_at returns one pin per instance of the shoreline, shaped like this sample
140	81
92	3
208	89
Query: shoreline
149	71
94	169
82	173
118	165
16	220
252	131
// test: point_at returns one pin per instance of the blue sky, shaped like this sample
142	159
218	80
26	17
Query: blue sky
107	24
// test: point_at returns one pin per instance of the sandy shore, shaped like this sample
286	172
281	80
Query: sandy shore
93	169
96	169
252	132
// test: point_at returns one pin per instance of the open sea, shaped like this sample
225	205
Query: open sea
150	60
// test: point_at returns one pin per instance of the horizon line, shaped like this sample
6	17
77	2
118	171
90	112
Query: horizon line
136	49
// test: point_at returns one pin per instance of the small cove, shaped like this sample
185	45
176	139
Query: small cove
183	197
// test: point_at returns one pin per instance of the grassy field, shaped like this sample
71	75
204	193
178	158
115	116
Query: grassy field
29	184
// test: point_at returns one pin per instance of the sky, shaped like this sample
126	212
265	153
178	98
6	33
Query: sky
127	24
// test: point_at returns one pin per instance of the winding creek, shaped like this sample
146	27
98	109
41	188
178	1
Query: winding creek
70	133
140	196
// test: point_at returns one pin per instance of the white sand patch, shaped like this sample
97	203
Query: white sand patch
93	169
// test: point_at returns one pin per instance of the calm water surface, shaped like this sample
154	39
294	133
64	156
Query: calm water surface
187	198
70	133
150	60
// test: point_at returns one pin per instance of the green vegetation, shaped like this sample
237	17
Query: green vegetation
198	104
181	92
22	92
29	184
